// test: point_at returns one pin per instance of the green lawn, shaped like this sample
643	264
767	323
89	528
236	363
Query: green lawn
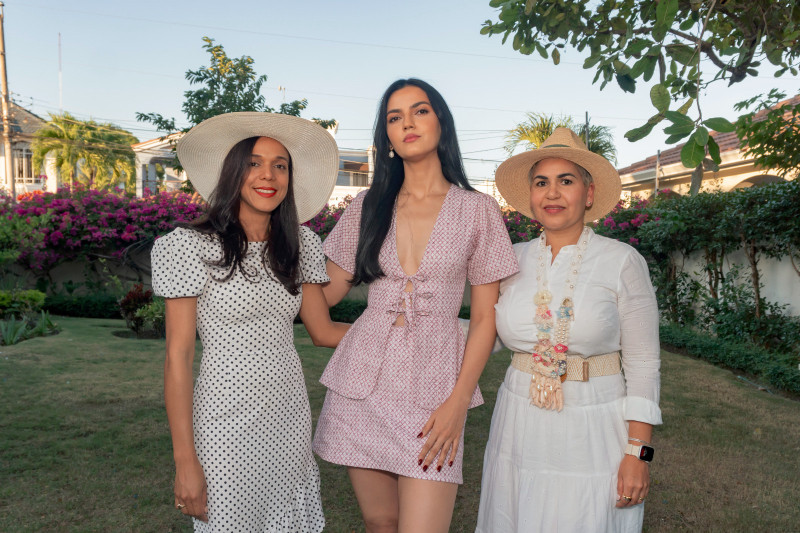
84	444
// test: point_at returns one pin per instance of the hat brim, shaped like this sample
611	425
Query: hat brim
513	184
315	156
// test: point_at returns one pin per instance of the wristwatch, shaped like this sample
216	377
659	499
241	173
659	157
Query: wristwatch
645	453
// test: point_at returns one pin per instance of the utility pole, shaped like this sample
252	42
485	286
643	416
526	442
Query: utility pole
658	169
6	115
586	133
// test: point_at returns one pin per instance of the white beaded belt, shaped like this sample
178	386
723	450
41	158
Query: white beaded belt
578	368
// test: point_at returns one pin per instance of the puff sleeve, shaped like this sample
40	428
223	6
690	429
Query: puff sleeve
342	242
492	257
312	260
639	343
177	268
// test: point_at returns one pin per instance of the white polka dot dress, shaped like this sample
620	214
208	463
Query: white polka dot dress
252	421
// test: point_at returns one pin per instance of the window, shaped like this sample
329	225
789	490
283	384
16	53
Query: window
23	167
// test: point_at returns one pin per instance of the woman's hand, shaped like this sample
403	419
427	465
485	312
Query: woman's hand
633	481
443	430
190	490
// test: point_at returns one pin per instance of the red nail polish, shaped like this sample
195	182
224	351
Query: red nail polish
419	462
451	463
439	468
425	468
420	435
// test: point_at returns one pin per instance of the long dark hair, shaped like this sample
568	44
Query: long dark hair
378	206
282	252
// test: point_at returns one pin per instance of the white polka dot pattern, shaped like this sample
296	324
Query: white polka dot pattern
252	421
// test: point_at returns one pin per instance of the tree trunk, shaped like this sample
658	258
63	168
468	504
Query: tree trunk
697	180
751	251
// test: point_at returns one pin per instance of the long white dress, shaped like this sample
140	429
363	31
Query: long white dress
252	421
555	471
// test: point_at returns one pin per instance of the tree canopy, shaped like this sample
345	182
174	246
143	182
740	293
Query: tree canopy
771	131
86	152
685	44
226	85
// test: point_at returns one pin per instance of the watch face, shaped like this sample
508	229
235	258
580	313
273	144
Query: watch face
646	453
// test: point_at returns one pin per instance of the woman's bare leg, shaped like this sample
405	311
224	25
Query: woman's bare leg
425	506
376	492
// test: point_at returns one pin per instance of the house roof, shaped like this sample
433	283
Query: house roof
727	142
23	122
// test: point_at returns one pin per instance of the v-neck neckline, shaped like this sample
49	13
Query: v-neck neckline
430	238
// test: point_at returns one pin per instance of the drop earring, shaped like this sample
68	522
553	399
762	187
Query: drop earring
391	152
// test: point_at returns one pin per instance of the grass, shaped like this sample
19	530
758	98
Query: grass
84	443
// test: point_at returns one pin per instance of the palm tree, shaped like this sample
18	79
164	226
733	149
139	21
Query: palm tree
533	132
97	155
537	127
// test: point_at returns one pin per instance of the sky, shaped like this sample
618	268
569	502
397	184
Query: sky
119	58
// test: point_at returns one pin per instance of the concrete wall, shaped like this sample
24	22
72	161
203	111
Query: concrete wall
781	283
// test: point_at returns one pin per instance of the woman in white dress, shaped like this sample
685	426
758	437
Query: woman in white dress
569	445
242	435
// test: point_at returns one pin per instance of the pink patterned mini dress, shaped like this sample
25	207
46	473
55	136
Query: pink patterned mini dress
385	381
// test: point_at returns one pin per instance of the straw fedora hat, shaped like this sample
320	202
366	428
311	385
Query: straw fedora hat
315	157
514	184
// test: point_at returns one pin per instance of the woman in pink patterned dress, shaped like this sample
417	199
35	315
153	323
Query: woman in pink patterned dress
402	379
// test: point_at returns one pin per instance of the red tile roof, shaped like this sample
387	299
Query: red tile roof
726	141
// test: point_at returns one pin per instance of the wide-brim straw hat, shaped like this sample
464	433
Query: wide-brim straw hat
513	182
315	157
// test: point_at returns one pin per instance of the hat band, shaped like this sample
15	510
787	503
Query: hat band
557	146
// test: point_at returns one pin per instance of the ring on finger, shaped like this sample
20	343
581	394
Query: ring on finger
626	498
179	506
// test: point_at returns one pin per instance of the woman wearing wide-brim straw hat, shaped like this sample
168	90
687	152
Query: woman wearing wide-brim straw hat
569	445
238	276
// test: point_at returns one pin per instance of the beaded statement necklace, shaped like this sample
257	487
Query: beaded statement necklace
550	351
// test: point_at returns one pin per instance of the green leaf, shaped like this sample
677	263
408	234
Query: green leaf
686	105
692	153
683	54
659	32
679	129
677	118
701	136
542	50
687	24
556	56
639	133
496	3
591	61
713	150
626	83
720	124
659	96
666	11
672	139
650	67
529	5
485	30
621	68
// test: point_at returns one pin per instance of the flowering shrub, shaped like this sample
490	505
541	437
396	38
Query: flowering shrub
624	221
520	228
323	223
90	222
134	300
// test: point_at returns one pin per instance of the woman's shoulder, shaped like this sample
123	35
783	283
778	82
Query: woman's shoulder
183	241
308	236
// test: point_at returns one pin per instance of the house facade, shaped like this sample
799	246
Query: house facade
665	171
23	125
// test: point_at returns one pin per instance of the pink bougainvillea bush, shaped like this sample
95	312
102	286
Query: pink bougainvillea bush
323	223
520	228
88	222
